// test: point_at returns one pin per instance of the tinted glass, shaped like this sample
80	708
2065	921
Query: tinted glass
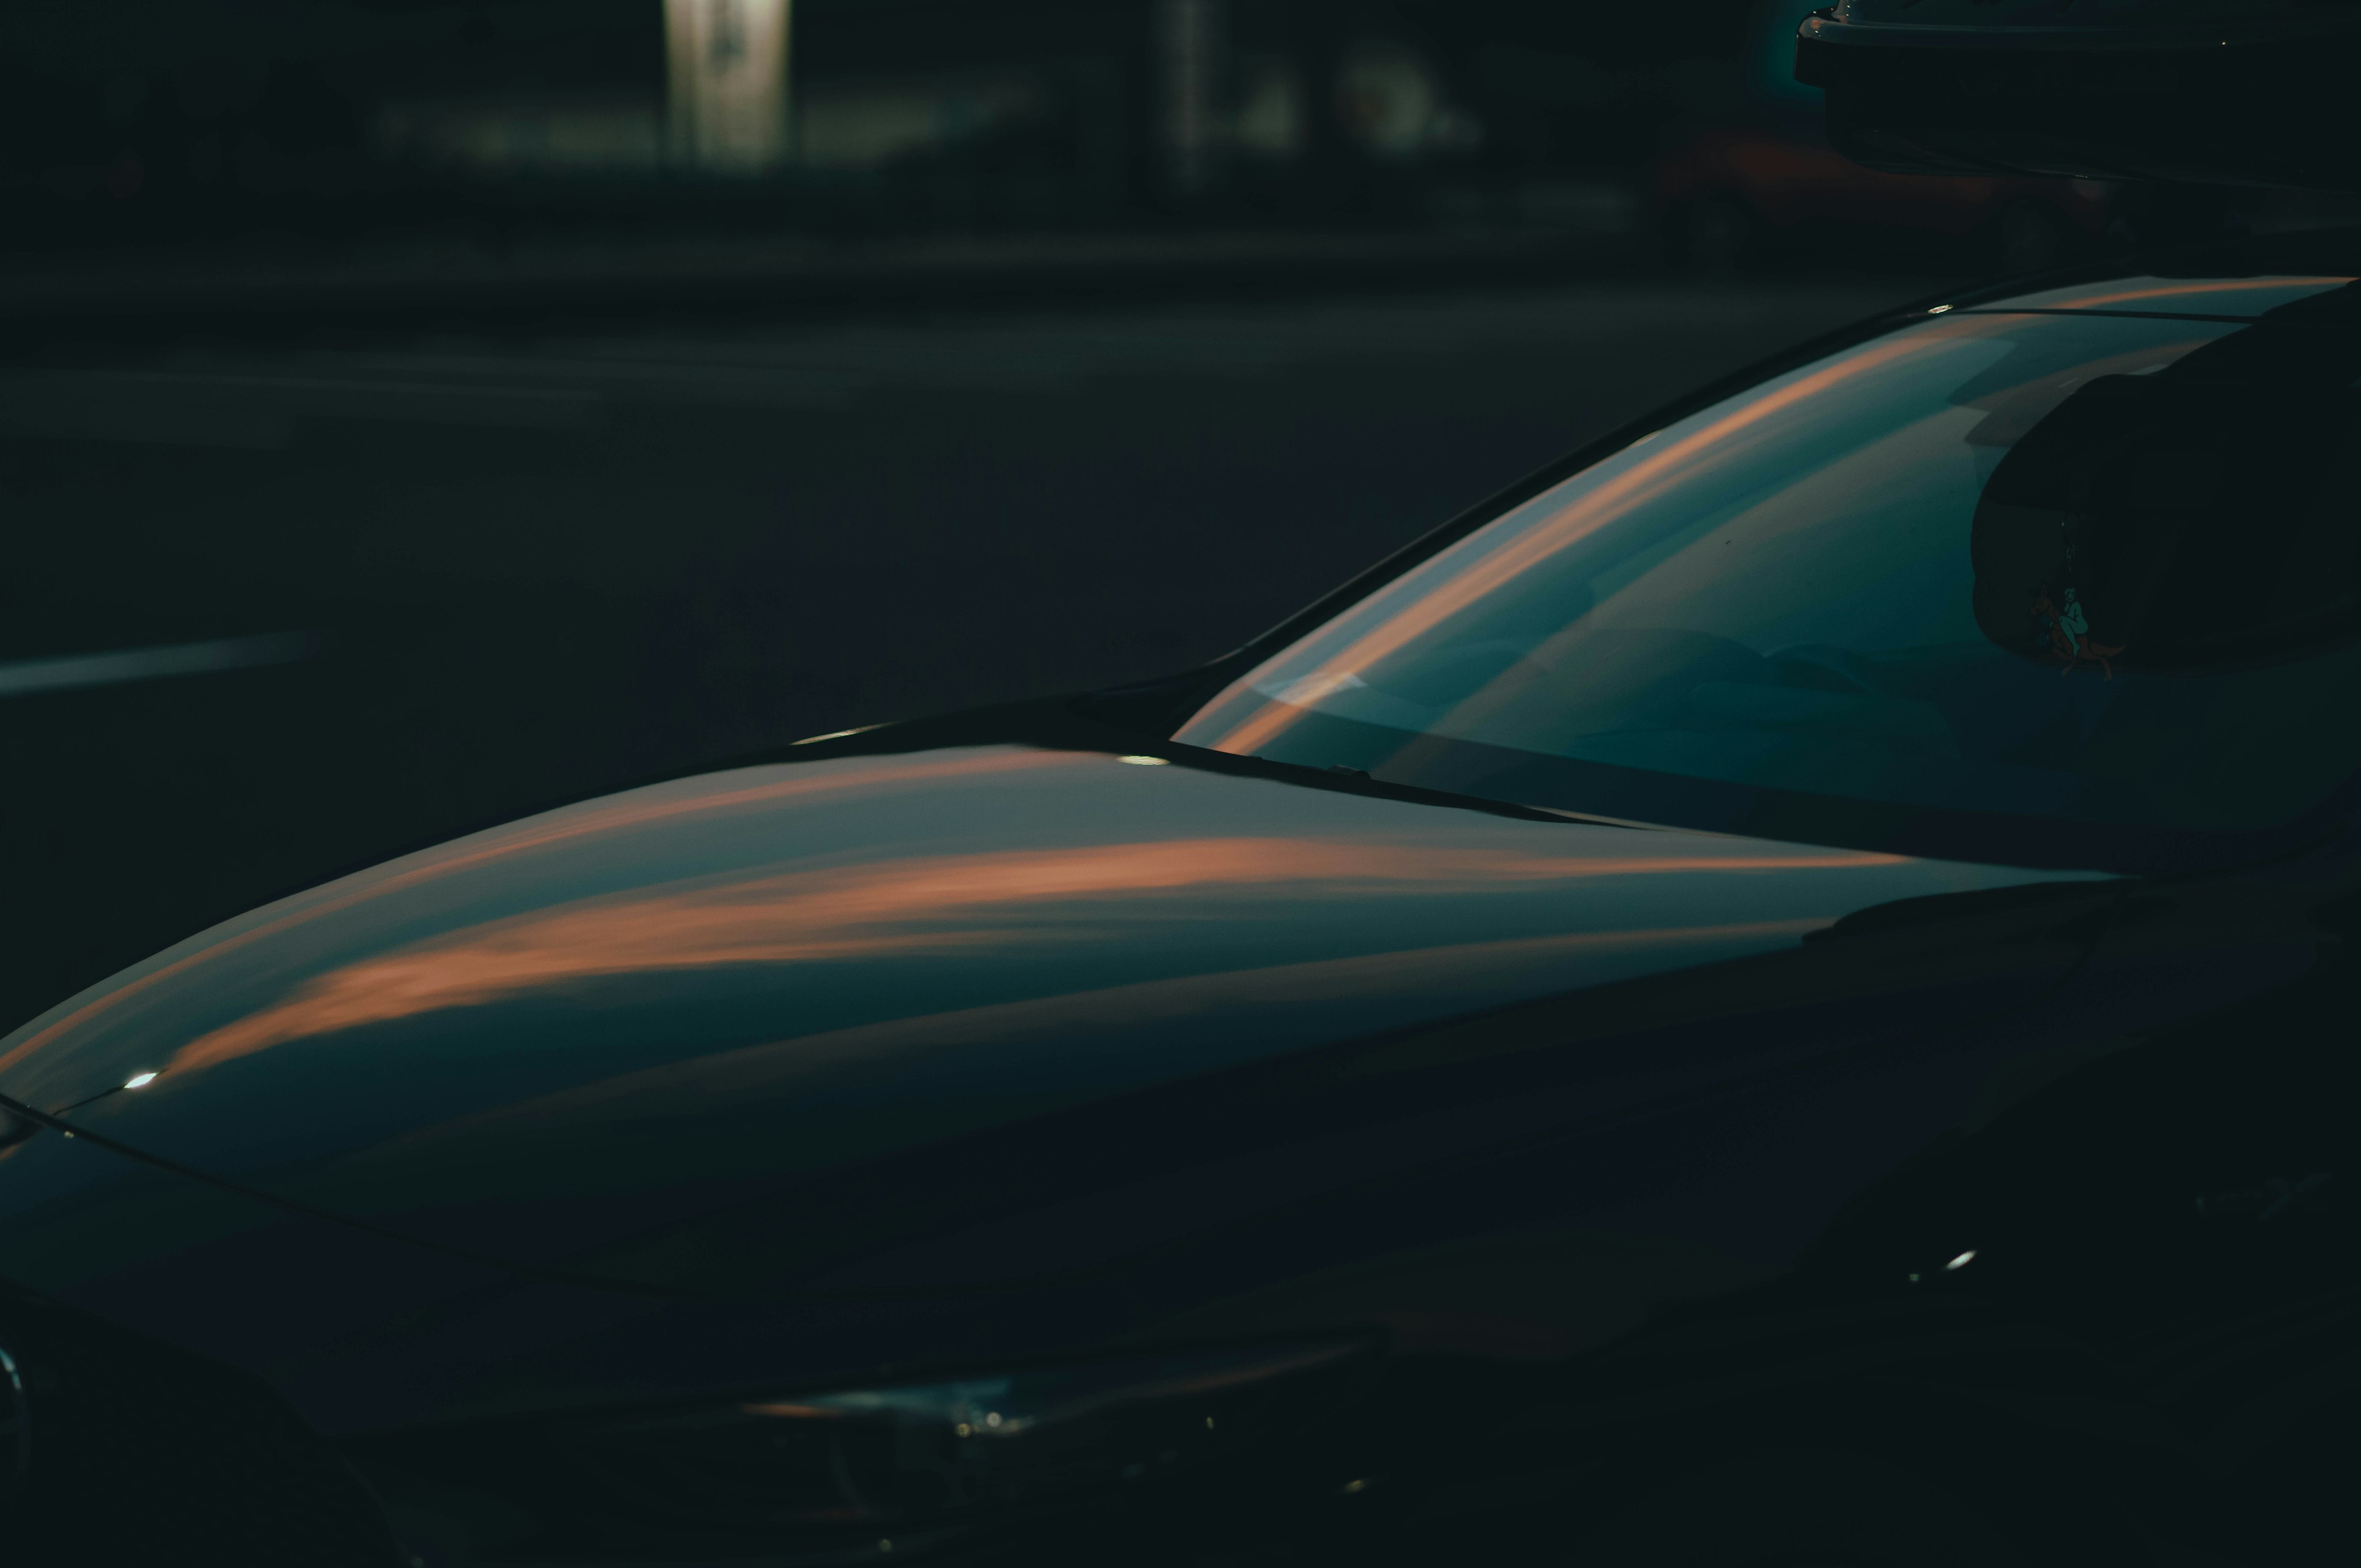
1835	607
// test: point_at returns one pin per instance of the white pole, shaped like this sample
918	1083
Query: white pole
726	67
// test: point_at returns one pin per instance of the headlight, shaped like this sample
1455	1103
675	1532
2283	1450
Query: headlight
872	1470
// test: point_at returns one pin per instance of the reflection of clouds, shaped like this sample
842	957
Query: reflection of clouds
1442	979
897	909
1676	463
639	808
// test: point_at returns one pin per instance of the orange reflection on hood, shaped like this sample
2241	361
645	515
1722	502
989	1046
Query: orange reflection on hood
638	808
2168	290
1675	463
751	1072
900	908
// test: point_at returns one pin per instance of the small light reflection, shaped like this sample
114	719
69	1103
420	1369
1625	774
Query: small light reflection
992	1418
139	1080
1961	1261
837	734
1937	310
1144	762
1359	1484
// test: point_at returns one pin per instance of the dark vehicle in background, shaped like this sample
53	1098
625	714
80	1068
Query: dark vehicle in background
1784	988
1763	185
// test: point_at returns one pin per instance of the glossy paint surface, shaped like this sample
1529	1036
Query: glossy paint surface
2238	297
562	1041
961	1051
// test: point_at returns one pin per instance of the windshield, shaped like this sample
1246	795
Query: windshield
1833	607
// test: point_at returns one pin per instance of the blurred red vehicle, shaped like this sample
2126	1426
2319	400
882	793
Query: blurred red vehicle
1733	197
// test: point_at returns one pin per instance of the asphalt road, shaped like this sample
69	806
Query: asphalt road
496	569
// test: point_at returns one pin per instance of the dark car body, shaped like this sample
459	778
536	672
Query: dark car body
2241	94
539	1196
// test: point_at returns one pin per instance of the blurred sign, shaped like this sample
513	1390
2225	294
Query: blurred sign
727	73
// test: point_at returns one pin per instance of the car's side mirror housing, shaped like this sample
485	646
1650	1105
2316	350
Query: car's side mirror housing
2215	91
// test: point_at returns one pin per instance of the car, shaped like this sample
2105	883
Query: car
1782	991
1763	184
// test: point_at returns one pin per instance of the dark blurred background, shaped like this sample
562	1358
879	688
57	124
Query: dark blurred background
447	139
412	413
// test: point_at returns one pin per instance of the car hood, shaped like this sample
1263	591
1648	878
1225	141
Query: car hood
556	1043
